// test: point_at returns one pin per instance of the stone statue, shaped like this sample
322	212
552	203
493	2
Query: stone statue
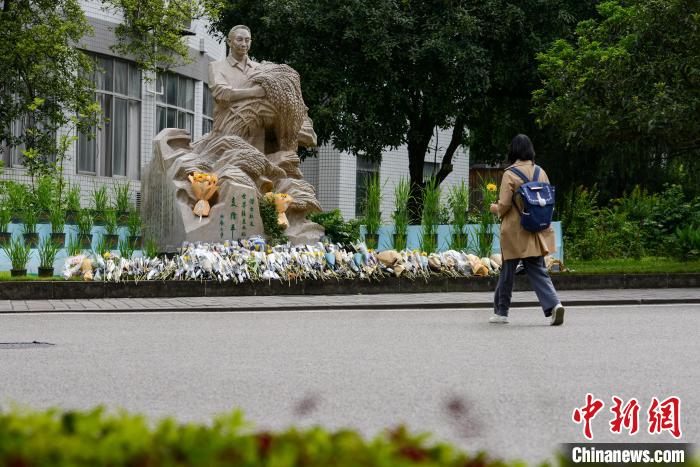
260	119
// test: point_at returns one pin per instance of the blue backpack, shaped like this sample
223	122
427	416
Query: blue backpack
538	201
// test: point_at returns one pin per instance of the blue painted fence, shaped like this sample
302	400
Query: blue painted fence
386	233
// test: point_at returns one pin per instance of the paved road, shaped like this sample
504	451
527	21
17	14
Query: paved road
517	384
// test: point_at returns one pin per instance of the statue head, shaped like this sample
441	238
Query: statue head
239	40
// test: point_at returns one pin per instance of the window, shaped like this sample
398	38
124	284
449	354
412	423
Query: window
207	111
175	102
115	149
365	170
430	169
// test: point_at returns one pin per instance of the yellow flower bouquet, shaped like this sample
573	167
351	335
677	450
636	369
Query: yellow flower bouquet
203	187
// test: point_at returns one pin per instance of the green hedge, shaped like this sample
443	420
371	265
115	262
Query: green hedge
96	438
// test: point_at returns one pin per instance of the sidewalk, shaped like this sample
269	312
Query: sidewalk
349	302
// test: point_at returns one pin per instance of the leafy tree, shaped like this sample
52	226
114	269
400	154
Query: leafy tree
627	91
379	73
153	31
42	84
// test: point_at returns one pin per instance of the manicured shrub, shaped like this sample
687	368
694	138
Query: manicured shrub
337	230
96	438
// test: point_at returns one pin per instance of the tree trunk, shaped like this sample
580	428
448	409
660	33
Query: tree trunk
420	132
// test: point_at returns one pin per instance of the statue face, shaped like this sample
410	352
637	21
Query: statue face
239	42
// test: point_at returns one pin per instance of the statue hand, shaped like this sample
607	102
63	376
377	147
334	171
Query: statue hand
258	91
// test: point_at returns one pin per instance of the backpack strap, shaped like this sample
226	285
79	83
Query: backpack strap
520	174
536	175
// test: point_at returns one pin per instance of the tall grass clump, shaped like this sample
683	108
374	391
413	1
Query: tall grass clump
430	215
485	234
401	215
373	214
459	203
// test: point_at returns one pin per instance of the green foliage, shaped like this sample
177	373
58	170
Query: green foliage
5	217
126	248
17	195
57	216
111	224
274	232
96	437
644	265
43	83
101	246
73	198
687	243
47	193
627	91
486	219
121	196
401	215
18	253
47	253
150	249
373	215
30	219
133	223
337	230
153	31
459	204
73	246
430	216
99	199
84	222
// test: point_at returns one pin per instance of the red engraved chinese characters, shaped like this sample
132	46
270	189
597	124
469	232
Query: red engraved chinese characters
586	413
626	417
665	416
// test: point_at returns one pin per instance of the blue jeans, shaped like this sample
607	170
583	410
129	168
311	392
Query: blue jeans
539	280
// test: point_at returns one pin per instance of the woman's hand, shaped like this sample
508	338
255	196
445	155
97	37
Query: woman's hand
493	208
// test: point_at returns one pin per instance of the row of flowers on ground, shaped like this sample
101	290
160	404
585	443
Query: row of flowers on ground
252	261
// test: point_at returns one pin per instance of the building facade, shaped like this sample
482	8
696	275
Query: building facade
139	106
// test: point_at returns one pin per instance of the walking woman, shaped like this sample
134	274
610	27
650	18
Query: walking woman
520	245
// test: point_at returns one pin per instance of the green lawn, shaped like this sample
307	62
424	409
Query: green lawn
5	276
622	265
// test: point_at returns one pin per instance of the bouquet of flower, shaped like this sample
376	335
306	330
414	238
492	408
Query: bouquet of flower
203	187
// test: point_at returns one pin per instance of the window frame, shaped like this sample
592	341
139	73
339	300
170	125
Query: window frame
163	79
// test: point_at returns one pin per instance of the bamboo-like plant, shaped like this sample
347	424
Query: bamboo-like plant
373	215
30	219
85	222
99	199
73	198
133	224
57	216
489	195
5	218
459	203
126	248
73	246
101	247
47	253
18	253
121	197
17	196
111	224
45	194
430	215
401	215
151	249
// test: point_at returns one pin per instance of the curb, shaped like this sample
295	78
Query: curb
57	290
367	306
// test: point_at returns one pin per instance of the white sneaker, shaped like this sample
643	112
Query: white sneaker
498	319
557	315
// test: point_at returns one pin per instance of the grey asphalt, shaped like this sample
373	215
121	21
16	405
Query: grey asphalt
511	388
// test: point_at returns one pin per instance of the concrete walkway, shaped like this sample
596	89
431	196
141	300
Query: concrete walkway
349	302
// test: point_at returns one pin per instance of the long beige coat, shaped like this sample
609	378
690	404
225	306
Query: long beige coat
517	242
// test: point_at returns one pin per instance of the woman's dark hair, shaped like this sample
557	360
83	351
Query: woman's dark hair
521	148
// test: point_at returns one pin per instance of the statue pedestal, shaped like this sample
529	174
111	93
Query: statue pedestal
168	201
